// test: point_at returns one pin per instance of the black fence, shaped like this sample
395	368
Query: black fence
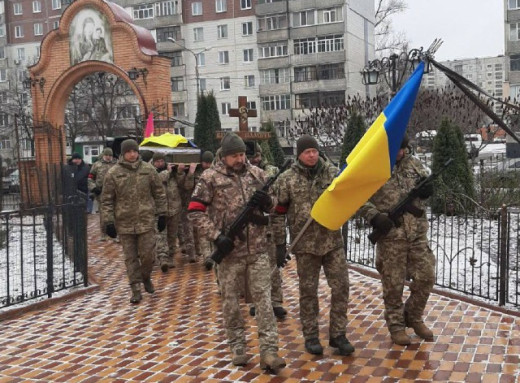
43	249
476	255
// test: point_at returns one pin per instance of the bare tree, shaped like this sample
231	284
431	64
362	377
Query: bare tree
386	38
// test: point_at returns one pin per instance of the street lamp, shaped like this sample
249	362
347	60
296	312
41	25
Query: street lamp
395	67
195	55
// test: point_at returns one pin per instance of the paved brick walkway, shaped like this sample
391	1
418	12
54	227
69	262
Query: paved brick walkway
176	335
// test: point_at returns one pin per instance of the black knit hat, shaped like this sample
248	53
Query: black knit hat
231	144
207	157
128	145
146	155
158	156
305	142
76	156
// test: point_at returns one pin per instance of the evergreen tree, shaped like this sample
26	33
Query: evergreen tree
207	123
454	188
356	128
274	145
267	156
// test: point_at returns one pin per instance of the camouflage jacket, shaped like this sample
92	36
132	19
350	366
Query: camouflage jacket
174	183
297	191
218	199
98	172
132	196
270	170
405	176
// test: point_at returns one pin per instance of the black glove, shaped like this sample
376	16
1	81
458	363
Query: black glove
224	244
96	190
110	229
426	190
382	223
161	223
209	263
262	200
281	259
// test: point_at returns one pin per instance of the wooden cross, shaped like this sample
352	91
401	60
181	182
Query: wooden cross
242	113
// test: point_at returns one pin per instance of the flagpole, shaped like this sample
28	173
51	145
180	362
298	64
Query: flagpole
299	236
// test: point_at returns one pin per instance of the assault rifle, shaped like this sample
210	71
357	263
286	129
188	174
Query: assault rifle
406	206
246	216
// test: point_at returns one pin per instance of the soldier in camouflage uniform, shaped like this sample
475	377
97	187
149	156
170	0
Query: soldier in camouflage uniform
132	196
298	188
95	182
276	277
221	193
173	178
185	234
404	251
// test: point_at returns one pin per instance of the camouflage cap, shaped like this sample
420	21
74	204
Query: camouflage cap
128	145
158	156
107	152
231	144
207	156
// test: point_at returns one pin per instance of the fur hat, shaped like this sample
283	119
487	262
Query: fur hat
207	156
158	156
231	144
107	152
305	142
128	145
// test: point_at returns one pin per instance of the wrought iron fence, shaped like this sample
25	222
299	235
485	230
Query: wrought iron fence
43	249
476	255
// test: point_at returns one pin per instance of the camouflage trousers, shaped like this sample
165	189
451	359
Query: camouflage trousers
186	234
231	272
276	277
167	240
101	222
336	271
138	250
396	260
202	245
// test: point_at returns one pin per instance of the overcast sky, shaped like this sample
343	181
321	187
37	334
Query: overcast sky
469	28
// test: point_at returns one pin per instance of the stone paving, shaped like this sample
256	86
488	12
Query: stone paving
176	335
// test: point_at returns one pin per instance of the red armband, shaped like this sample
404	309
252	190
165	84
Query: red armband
196	206
281	209
91	176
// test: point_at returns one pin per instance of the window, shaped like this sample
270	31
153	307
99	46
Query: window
177	84
251	105
176	57
196	8
225	108
222	31
37	6
307	73
4	119
198	34
275	76
272	22
3	75
223	57
2	52
310	100
220	6
18	31
17	8
55	24
38	50
249	81
2	30
178	109
304	46
282	128
245	4
143	11
20	53
164	33
200	58
202	84
331	71
515	62
56	4
514	31
498	76
514	4
304	18
332	43
166	8
225	83
38	29
331	16
278	102
247	28
248	55
127	112
306	100
272	50
5	143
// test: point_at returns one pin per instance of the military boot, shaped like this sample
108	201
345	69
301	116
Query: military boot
136	293
399	337
240	357
279	312
192	258
419	328
342	344
271	361
148	286
252	311
164	267
313	346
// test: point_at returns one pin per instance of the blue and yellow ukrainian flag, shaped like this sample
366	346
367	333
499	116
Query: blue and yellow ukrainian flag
370	163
